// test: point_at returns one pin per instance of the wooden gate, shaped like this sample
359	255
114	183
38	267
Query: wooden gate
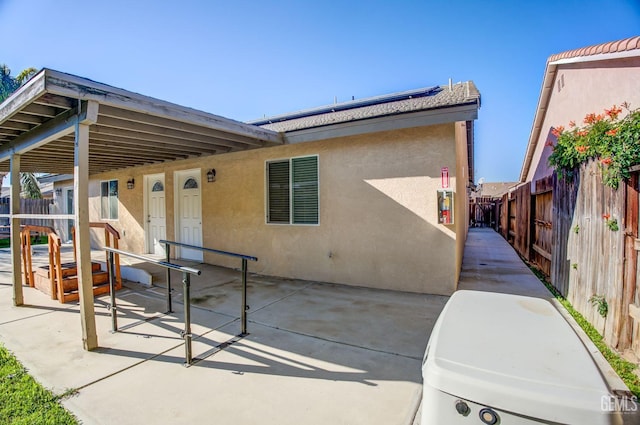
519	219
542	232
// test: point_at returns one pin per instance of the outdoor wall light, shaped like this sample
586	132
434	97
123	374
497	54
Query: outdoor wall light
131	183
59	191
211	175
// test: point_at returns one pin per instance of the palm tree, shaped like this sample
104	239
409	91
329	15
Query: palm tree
9	84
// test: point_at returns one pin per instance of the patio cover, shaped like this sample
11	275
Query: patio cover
61	123
129	129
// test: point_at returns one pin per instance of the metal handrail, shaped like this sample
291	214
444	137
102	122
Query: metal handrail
215	251
186	287
244	258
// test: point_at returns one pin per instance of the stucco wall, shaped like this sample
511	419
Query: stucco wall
462	203
378	215
585	88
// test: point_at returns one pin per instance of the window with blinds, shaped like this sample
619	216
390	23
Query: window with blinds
292	186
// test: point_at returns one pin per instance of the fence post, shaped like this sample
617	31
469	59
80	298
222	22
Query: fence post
243	313
167	249
186	283
112	292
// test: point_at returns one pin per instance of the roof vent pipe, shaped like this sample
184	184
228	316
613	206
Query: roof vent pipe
450	85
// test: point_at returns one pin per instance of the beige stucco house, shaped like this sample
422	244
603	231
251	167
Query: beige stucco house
370	192
370	209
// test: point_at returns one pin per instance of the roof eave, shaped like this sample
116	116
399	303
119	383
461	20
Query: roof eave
460	112
33	89
541	110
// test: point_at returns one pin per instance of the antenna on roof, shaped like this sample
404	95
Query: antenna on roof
450	84
335	100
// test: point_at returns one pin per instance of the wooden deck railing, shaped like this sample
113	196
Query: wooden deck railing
111	237
25	247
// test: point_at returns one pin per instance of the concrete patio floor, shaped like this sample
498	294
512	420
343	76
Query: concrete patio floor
316	353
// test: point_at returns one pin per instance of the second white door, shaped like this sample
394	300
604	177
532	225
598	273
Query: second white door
189	209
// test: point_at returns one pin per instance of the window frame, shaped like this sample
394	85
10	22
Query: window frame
109	199
290	190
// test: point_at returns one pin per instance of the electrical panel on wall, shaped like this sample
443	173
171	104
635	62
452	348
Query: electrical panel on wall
445	206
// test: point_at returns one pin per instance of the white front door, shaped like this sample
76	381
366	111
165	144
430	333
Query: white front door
156	228
189	213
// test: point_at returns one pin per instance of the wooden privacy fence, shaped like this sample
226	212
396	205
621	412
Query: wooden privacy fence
542	224
27	206
584	236
514	215
595	250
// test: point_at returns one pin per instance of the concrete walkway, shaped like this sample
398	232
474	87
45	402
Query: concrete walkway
491	264
317	353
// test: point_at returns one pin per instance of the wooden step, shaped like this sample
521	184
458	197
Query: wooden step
68	269
71	283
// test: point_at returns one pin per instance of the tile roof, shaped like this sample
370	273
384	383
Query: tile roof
393	104
625	45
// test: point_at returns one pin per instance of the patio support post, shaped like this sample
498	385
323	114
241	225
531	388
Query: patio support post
85	278
18	298
243	313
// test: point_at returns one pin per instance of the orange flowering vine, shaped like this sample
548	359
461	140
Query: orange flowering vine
593	118
606	137
613	112
606	216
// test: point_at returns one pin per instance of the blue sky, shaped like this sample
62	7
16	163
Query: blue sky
246	59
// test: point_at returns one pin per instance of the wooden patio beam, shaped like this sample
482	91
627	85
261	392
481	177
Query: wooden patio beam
185	137
137	117
23	96
155	138
53	129
149	144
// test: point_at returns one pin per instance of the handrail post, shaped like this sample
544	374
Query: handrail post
112	291
243	313
168	252
186	283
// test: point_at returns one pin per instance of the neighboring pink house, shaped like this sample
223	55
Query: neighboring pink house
583	234
578	82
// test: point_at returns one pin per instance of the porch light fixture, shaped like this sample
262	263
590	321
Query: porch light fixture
211	175
58	191
131	183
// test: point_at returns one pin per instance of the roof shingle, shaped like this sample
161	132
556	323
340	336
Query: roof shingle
393	104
